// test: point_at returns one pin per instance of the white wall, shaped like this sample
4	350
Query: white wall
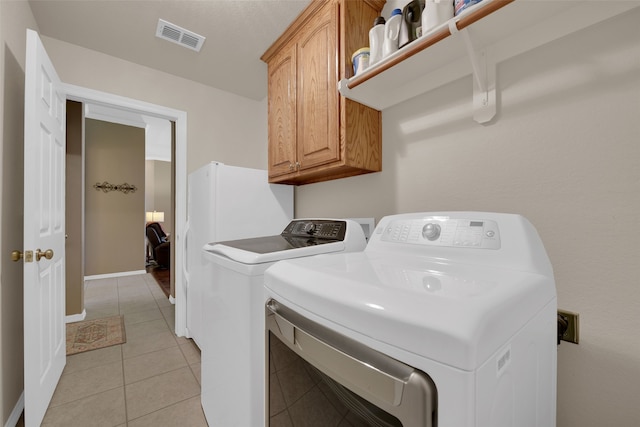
565	152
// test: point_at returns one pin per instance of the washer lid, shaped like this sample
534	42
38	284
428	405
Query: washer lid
268	249
301	238
455	314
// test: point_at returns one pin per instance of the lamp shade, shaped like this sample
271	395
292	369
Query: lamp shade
155	216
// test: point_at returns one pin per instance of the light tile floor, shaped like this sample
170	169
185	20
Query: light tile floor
151	380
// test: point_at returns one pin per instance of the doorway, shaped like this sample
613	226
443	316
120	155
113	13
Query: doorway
178	119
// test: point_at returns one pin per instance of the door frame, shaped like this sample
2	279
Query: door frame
86	95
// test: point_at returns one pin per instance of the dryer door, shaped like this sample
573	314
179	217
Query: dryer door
336	377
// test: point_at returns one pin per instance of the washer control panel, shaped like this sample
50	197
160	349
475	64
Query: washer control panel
317	228
441	231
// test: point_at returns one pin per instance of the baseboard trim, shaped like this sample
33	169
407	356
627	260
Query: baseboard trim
111	275
14	417
76	317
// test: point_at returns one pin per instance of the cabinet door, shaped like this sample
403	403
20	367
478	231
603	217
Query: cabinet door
318	108
282	112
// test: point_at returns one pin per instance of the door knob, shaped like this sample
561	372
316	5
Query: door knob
48	254
16	256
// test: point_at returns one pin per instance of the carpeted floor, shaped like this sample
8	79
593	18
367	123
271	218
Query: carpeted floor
163	277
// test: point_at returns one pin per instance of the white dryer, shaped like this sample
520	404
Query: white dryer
446	319
233	351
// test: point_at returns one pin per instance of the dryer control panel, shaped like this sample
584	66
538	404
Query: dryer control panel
441	231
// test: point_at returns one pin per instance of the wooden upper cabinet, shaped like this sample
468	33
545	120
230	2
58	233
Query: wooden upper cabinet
282	112
314	133
318	137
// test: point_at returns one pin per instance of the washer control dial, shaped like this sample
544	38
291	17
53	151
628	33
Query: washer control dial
431	231
309	228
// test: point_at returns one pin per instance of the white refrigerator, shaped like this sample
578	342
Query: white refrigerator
227	203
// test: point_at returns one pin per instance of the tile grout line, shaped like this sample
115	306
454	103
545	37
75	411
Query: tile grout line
124	384
161	409
189	364
120	346
157	375
182	347
124	389
80	398
182	351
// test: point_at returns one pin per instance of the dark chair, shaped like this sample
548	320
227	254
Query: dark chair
160	247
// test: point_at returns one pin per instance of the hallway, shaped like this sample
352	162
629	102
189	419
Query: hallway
151	380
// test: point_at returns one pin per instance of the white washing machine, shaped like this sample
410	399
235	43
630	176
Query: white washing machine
233	351
446	319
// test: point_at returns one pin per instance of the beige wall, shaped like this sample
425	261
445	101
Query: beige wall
74	210
114	221
162	196
565	152
158	190
15	17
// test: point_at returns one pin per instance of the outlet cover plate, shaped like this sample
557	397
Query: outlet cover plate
572	334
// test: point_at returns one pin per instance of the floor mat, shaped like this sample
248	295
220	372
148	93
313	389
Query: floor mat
93	334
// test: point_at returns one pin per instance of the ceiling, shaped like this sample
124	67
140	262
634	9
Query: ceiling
237	33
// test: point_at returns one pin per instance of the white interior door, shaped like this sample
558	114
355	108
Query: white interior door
44	231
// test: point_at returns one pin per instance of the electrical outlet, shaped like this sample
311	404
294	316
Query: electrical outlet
572	333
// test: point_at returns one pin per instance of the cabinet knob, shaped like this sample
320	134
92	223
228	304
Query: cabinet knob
291	166
297	165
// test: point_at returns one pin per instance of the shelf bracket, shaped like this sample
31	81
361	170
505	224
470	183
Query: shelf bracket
484	81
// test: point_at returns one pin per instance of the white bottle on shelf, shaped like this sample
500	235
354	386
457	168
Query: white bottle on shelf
435	13
391	33
376	39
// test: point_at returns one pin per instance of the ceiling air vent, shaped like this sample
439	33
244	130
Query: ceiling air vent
173	33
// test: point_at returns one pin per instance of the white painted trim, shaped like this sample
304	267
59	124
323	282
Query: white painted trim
76	317
112	115
172	300
111	275
82	94
12	421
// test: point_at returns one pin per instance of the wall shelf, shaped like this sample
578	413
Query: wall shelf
473	43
